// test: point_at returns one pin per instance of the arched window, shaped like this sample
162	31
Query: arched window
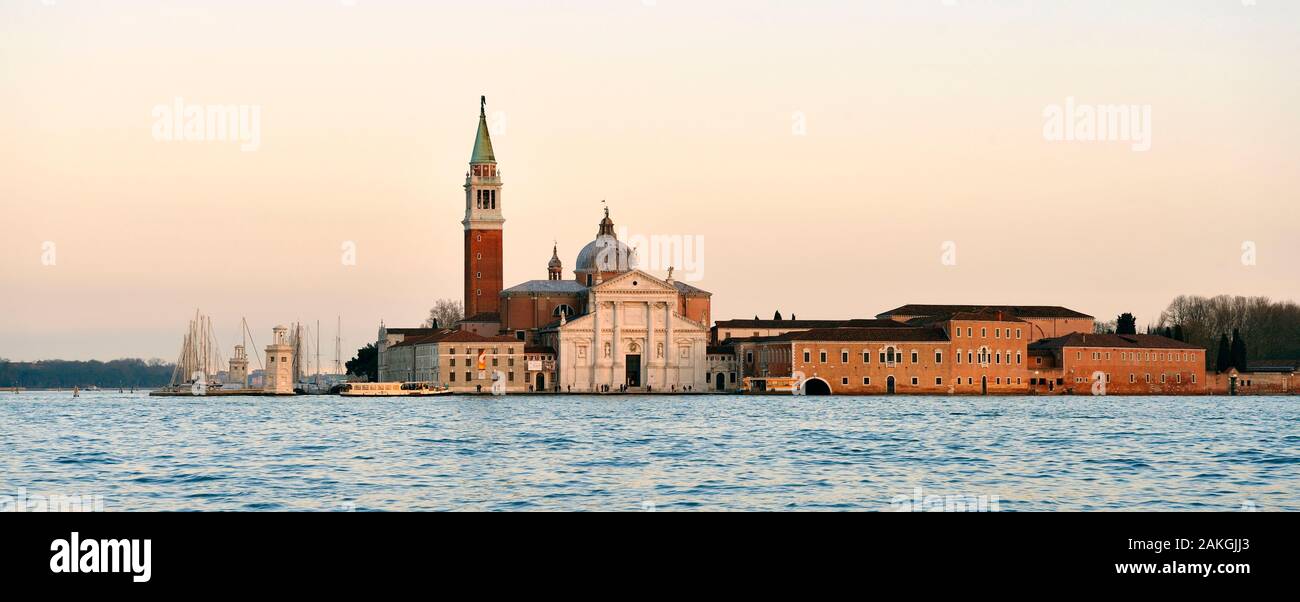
563	309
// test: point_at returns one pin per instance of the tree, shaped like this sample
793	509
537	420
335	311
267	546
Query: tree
1239	352
1103	327
1178	333
1223	358
366	363
777	315
1126	323
1272	327
446	313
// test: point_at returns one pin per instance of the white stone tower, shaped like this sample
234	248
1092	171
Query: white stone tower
279	363
239	367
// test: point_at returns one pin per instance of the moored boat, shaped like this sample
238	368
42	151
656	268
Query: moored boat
408	389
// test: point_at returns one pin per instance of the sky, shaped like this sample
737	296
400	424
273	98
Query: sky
837	159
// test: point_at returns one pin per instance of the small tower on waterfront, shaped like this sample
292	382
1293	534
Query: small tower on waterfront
279	363
239	367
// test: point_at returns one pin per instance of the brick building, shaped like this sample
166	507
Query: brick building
1128	364
980	352
1045	321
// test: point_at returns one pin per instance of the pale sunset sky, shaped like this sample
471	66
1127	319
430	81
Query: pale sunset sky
825	152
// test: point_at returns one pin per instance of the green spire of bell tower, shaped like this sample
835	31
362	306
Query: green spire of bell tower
482	141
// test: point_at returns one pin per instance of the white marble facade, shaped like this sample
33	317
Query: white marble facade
632	335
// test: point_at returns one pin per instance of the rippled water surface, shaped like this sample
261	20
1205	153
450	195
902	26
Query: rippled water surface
669	453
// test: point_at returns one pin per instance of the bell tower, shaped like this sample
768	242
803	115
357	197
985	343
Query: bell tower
483	224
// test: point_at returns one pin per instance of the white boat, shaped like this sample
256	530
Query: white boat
410	389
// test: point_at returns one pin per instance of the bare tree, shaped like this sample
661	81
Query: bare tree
1272	327
446	313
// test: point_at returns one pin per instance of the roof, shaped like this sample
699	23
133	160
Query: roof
538	349
454	336
922	334
1274	365
483	316
417	339
763	339
1117	341
855	322
547	286
720	350
482	140
1019	311
411	331
985	315
687	289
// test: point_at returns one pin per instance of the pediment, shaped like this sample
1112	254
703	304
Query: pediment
634	281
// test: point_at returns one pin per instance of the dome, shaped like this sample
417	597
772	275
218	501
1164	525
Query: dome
606	254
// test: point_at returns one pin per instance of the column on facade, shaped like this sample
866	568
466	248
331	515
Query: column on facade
669	360
596	351
649	354
616	359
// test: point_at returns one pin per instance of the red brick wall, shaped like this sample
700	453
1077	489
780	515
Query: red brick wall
694	308
524	312
482	293
1254	383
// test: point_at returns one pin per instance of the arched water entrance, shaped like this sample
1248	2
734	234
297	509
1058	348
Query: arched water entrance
816	386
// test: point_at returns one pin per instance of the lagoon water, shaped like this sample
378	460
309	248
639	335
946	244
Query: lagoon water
629	453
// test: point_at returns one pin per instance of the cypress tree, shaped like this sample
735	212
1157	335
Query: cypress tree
1178	333
1126	323
1223	358
1238	351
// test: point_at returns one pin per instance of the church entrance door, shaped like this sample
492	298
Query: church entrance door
633	370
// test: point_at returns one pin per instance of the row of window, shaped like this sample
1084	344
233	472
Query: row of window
984	332
486	170
985	357
469	376
1144	356
1132	378
890	355
938	381
510	361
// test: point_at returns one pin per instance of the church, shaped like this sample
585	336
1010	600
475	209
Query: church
604	326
